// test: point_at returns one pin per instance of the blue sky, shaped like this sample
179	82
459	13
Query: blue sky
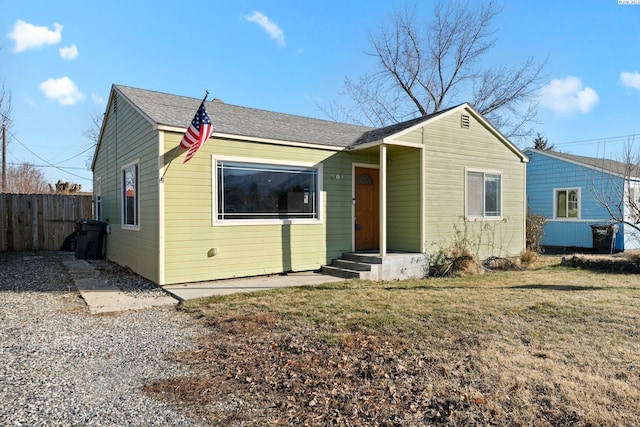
59	60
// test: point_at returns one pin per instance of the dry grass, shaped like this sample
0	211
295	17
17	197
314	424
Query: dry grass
546	346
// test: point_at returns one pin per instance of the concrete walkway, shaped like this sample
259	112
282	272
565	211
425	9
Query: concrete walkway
102	297
188	291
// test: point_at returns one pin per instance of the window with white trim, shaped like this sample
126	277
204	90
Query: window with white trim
256	191
130	195
97	199
567	203
484	194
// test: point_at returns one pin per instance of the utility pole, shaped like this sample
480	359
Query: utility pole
4	158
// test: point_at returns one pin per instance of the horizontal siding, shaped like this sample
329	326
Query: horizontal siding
449	150
403	199
248	250
414	137
127	137
544	174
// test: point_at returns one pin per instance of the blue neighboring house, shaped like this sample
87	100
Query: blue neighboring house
565	188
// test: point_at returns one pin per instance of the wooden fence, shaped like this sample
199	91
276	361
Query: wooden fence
40	222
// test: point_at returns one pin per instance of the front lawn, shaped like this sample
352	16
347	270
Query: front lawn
546	346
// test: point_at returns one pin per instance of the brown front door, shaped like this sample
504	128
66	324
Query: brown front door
367	210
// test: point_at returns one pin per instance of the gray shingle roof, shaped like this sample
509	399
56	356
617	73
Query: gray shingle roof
178	111
594	162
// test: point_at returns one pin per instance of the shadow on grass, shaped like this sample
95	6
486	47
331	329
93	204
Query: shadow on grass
559	287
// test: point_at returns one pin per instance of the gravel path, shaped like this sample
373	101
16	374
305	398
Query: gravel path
59	365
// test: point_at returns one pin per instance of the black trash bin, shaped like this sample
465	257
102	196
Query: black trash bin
604	238
90	239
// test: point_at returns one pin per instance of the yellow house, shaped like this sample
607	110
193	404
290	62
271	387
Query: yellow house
271	193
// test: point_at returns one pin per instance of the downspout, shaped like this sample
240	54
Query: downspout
524	204
161	237
423	175
383	199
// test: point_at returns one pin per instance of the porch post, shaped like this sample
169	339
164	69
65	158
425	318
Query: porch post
383	199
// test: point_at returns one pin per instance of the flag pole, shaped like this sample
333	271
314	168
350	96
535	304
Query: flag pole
206	95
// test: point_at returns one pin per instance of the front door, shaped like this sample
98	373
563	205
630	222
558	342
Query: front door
367	209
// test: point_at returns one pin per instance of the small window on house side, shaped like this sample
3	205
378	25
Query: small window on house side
567	203
97	199
484	195
130	196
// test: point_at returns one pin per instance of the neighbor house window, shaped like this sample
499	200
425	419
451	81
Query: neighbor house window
484	194
130	195
254	191
97	197
567	202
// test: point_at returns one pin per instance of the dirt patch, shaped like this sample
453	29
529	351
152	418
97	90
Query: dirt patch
283	377
605	263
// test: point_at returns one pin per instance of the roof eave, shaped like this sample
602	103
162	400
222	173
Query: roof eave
579	163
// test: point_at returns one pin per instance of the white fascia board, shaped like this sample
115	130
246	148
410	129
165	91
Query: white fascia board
256	139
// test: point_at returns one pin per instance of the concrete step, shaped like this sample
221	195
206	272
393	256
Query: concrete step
351	265
345	273
362	258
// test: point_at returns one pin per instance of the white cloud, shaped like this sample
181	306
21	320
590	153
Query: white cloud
62	90
567	96
28	36
630	80
98	99
69	52
270	27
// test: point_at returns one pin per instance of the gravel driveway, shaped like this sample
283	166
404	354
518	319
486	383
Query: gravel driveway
60	365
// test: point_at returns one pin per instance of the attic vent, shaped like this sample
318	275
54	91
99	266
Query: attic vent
217	100
464	121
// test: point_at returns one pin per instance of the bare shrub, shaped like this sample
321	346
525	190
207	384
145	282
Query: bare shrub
458	259
528	257
534	232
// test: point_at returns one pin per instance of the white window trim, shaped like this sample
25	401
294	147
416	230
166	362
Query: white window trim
97	199
124	226
276	162
555	204
466	199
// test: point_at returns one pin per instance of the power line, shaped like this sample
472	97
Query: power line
71	158
44	160
599	140
18	163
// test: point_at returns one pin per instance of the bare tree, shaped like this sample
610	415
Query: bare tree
5	125
425	67
93	133
619	194
26	179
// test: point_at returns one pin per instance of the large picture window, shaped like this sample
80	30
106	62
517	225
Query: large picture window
253	191
130	196
484	195
567	203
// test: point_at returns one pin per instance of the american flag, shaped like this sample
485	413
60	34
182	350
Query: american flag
199	131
